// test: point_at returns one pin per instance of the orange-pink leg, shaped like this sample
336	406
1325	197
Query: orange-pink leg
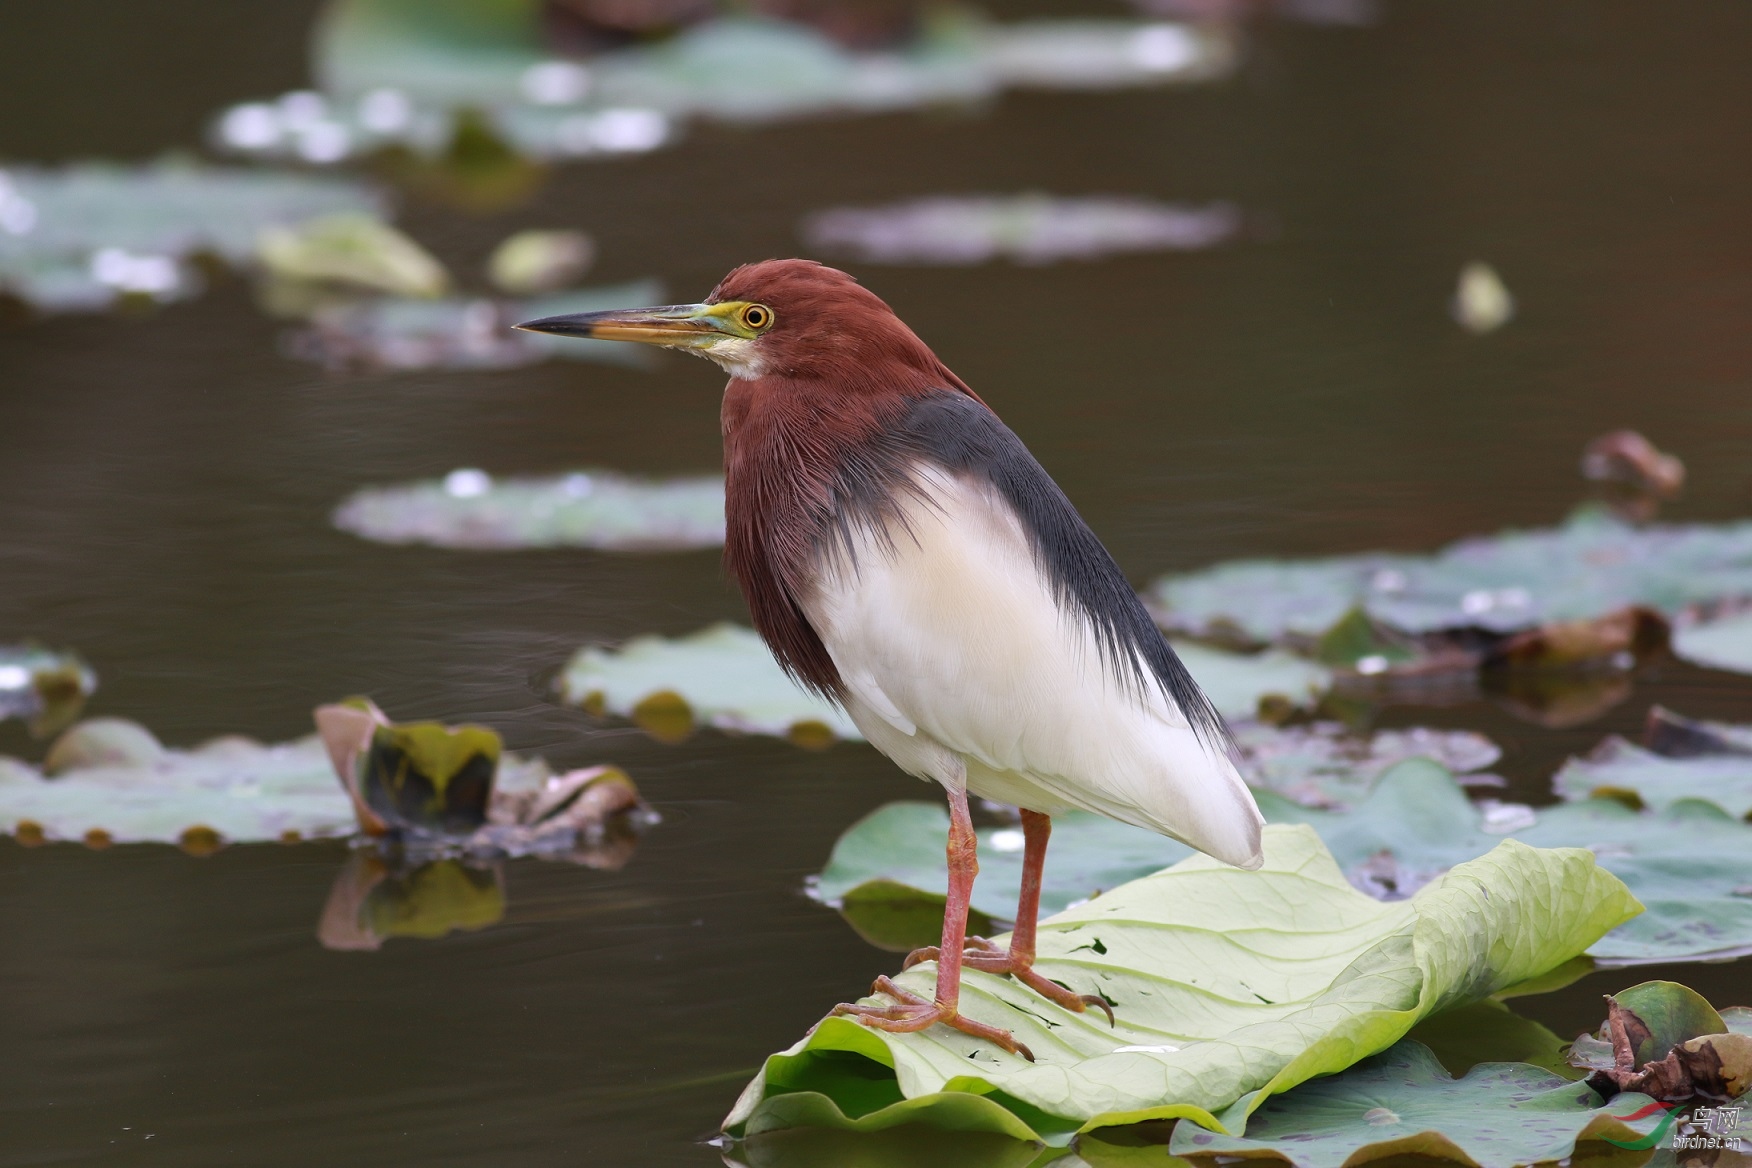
1018	960
912	1012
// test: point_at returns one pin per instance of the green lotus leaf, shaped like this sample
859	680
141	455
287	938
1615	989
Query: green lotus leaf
1402	1102
1229	986
724	676
1592	565
78	238
598	509
1689	864
1620	769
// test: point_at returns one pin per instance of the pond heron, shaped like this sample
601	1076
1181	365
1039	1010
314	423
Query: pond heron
904	555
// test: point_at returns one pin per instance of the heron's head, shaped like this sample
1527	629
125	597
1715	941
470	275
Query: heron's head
789	318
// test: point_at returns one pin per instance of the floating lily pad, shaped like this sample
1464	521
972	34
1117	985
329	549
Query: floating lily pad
46	688
1591	566
1028	229
108	781
455	333
1229	987
1690	865
396	75
1403	1103
78	238
1620	769
1722	643
599	509
725	677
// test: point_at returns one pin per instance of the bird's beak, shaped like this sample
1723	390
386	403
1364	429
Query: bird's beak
674	326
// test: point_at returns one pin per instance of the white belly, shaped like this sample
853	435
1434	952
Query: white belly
963	668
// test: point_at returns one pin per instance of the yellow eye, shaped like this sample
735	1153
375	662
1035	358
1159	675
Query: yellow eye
757	316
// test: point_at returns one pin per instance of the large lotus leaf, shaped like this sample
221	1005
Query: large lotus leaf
1402	1102
903	844
1617	768
460	333
1229	987
1592	565
1028	229
598	509
1689	864
109	781
79	237
724	676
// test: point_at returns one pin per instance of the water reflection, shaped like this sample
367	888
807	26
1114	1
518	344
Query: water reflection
896	1147
390	891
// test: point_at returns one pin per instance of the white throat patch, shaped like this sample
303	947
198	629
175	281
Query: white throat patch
737	356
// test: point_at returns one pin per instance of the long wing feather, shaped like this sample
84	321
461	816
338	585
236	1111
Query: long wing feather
946	619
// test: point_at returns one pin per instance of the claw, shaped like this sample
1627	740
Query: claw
987	957
912	1013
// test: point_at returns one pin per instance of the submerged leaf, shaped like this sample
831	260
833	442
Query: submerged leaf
1229	987
78	238
1027	229
1591	566
599	509
1403	1103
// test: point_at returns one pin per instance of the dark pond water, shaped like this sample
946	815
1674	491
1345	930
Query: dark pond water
165	482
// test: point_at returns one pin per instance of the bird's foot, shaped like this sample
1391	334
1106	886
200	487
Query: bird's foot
988	957
912	1013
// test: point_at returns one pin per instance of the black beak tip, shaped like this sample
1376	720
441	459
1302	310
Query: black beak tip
559	326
